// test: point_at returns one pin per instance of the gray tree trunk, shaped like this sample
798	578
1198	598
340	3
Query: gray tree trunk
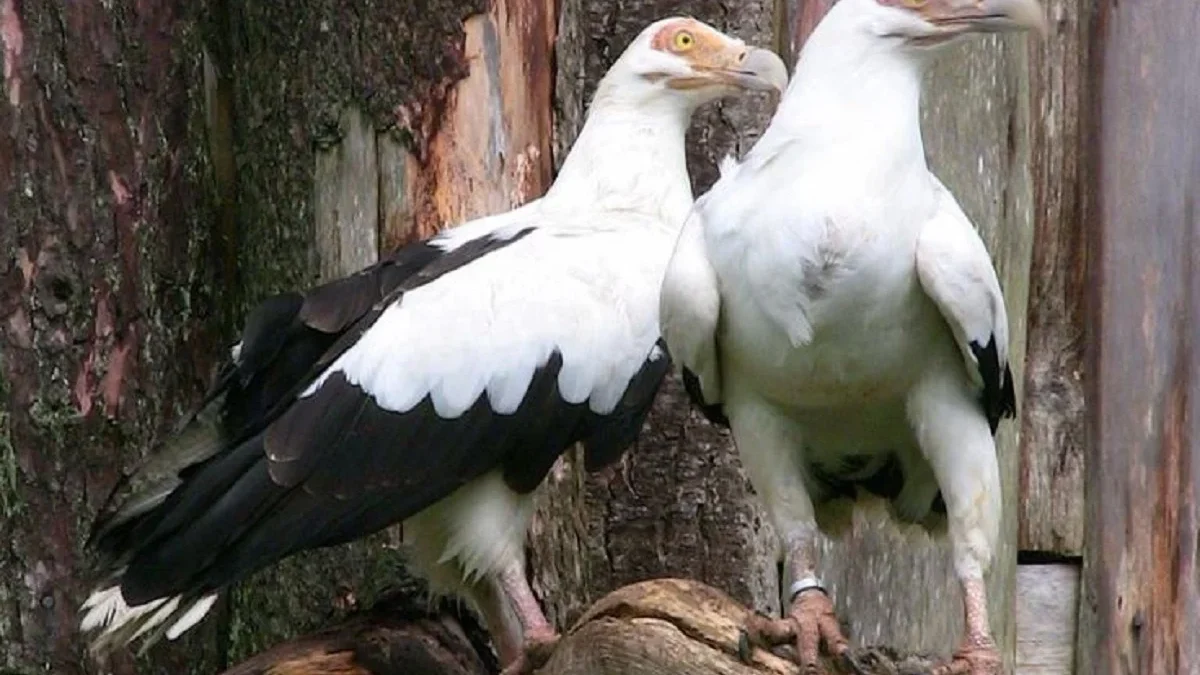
163	166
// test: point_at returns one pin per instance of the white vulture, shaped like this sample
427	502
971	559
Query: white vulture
437	387
830	300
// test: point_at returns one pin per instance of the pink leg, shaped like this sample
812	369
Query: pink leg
539	637
978	655
498	619
811	621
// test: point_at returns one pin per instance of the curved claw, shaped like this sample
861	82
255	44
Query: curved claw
981	660
744	648
811	625
850	663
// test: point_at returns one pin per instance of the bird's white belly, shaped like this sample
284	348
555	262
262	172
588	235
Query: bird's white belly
871	340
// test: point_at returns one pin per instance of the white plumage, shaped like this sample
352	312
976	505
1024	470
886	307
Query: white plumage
486	326
832	298
437	387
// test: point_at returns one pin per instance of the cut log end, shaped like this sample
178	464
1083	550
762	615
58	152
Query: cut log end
663	626
681	626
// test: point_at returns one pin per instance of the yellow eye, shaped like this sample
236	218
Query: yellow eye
684	41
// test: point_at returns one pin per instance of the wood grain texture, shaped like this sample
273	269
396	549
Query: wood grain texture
1141	599
1053	414
397	636
1047	608
346	198
490	149
678	503
662	626
677	626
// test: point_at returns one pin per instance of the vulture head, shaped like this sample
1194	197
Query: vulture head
931	23
684	61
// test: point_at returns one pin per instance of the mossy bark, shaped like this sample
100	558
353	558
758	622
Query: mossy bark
106	292
157	168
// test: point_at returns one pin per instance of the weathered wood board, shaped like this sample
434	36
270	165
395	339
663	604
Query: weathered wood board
1047	612
1140	611
1053	410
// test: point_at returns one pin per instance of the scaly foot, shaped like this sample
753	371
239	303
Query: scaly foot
981	659
811	623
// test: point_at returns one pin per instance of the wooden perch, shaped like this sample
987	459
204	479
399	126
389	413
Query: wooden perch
399	634
663	626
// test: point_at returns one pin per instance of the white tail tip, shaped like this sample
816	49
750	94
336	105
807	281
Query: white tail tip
107	612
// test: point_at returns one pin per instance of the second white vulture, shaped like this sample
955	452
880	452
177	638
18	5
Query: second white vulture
831	302
437	387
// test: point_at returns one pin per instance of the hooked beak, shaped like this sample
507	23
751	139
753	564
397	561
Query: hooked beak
953	17
751	68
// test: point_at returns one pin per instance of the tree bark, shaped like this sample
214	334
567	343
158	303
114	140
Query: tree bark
106	291
163	166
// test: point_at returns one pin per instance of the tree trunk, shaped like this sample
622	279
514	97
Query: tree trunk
108	285
165	165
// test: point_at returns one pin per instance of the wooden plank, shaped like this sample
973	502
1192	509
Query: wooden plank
1141	609
1047	609
346	198
1052	414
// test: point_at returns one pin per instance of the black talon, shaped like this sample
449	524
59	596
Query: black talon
744	648
851	664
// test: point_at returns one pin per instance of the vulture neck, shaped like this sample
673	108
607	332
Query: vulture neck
855	96
629	157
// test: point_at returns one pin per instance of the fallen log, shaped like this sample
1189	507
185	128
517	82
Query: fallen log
660	627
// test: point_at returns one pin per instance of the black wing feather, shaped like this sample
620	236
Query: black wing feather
713	412
309	472
259	521
999	399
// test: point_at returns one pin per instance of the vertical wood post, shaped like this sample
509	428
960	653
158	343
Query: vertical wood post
1140	611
